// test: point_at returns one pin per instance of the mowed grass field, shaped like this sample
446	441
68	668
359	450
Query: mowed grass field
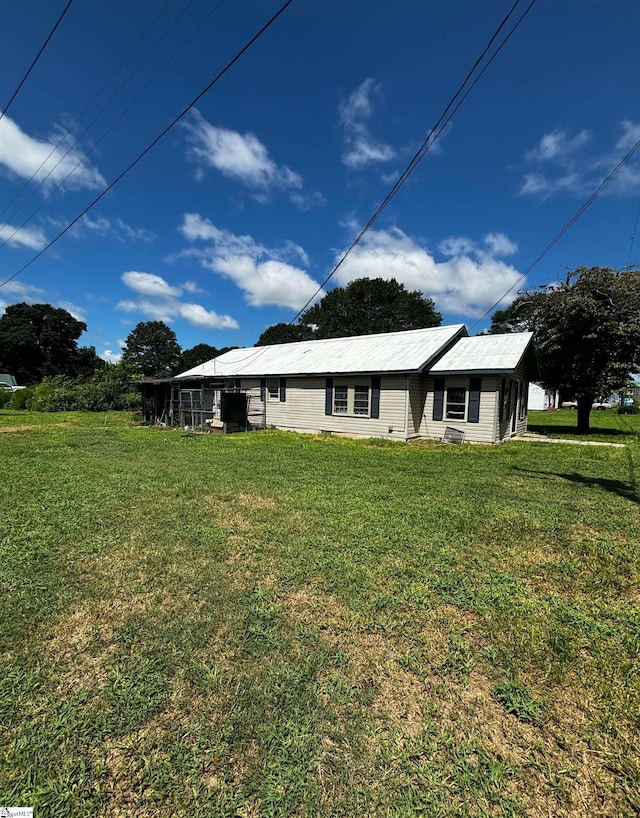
268	624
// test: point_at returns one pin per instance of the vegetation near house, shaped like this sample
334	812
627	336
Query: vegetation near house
586	331
281	625
199	354
39	341
152	350
364	307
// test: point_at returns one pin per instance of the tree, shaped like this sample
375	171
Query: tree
199	354
285	334
363	307
153	350
586	330
38	340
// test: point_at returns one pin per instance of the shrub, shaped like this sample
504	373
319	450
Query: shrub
20	398
5	398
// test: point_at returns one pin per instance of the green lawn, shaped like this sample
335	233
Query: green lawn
268	624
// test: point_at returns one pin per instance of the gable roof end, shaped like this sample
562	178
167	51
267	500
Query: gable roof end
489	353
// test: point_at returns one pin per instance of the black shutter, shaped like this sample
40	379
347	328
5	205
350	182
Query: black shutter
438	398
475	387
328	397
283	390
263	388
375	396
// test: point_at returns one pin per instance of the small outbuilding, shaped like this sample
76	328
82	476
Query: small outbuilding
425	383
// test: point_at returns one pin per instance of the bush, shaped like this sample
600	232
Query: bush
106	390
20	398
5	398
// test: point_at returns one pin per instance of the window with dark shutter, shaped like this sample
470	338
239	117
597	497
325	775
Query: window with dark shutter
283	390
438	398
475	388
263	388
375	397
328	397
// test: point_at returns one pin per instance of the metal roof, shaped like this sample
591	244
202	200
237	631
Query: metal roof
406	351
484	353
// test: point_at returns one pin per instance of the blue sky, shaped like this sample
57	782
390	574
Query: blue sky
229	225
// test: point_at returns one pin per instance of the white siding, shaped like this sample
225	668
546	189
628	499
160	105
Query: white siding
482	432
303	410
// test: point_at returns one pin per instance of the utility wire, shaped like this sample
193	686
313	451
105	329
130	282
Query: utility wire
149	147
633	235
104	135
131	50
35	59
123	113
564	230
445	117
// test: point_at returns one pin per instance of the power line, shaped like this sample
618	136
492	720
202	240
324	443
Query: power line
432	136
633	235
122	114
564	230
131	50
149	147
104	135
35	59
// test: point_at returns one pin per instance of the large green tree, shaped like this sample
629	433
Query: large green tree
200	354
285	334
38	341
363	307
152	350
370	305
586	331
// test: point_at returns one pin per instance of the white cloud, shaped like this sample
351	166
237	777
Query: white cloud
561	165
31	237
161	302
470	279
23	155
117	228
245	158
361	149
266	275
77	312
149	284
200	317
111	357
193	288
558	146
18	291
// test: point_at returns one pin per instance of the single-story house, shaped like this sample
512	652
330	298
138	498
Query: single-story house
542	399
398	385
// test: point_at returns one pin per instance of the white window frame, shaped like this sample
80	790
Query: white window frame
350	385
270	387
456	419
344	401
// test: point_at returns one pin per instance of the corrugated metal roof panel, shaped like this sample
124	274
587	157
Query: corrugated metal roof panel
405	351
484	353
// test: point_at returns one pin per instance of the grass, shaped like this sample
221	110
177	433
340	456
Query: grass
607	426
268	624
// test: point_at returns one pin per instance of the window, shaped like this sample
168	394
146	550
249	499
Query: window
273	389
456	402
340	400
360	400
351	399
